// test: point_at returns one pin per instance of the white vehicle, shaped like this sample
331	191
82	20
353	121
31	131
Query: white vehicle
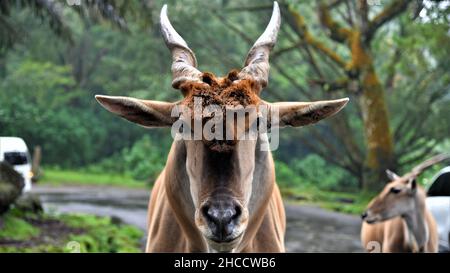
438	202
14	151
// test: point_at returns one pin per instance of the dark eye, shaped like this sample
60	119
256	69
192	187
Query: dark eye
394	190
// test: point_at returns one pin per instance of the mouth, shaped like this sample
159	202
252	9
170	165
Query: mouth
370	218
229	240
226	245
371	221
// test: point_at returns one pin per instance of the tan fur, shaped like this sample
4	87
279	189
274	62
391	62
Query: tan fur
170	230
392	234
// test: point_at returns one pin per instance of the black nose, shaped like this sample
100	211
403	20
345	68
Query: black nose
364	215
222	216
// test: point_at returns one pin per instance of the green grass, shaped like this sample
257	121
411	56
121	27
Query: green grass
76	177
15	228
102	235
352	203
74	233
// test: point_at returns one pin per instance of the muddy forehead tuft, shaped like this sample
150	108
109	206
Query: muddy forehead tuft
223	92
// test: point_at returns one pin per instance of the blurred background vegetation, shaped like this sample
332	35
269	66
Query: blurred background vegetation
391	57
54	57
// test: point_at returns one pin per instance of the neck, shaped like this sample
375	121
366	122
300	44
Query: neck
417	226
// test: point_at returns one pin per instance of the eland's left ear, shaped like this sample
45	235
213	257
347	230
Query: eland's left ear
413	185
304	113
146	113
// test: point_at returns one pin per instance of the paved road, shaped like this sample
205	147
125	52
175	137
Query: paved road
309	229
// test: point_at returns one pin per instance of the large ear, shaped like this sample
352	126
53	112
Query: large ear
304	113
391	175
147	113
412	185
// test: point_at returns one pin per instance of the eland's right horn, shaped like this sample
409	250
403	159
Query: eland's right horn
184	63
257	61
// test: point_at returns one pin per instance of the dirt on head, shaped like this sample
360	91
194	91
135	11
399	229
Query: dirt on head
228	92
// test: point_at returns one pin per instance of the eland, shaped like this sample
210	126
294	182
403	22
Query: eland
218	194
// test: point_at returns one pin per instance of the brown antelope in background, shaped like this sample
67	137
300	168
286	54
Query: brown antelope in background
397	219
215	194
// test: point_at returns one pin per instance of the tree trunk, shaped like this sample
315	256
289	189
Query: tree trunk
2	64
379	143
357	36
380	155
36	163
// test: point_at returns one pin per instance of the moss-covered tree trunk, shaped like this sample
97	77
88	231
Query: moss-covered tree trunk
379	143
356	33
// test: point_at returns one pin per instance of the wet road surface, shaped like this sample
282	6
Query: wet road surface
309	229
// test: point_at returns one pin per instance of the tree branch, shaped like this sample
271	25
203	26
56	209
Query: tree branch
279	52
349	13
280	69
363	11
299	26
409	118
335	3
346	159
305	50
336	85
388	13
341	127
327	156
335	31
291	79
391	71
420	156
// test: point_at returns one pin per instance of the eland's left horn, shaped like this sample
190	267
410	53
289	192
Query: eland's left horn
184	63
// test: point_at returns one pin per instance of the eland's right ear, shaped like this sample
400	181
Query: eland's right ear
146	113
297	114
391	175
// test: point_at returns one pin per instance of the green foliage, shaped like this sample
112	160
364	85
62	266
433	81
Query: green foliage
102	235
47	88
15	228
352	203
143	161
35	101
312	181
313	171
317	171
89	233
286	177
